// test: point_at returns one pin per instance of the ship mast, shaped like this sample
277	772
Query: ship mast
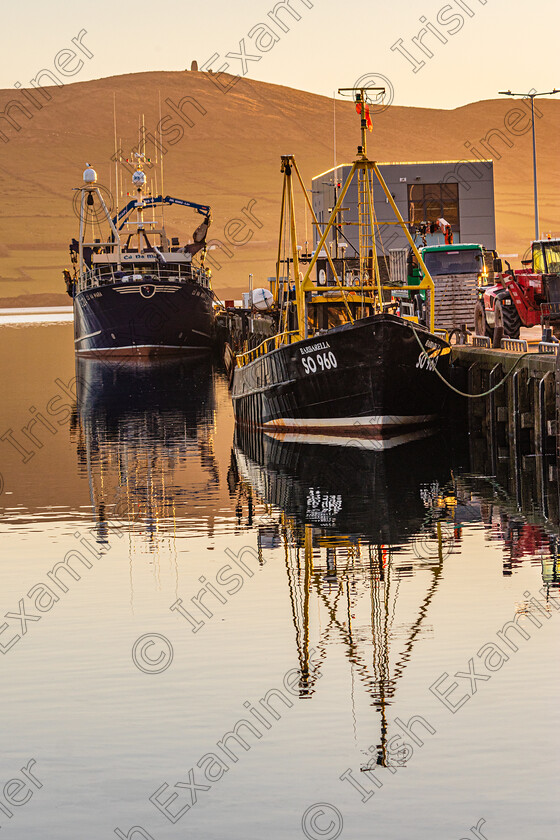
287	216
366	214
380	684
88	190
139	181
371	286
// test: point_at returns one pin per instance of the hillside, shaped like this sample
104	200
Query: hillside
229	157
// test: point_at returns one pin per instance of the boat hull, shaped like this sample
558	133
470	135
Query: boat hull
358	380
144	319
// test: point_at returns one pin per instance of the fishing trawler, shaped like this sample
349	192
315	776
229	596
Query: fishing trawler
343	362
135	293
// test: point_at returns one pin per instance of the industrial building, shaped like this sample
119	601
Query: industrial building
461	192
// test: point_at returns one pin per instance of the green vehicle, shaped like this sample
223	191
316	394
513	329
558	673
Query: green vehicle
457	271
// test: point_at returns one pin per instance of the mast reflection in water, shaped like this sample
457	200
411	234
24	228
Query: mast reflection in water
138	426
356	523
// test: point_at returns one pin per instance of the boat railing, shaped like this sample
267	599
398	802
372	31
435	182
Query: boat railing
108	274
266	346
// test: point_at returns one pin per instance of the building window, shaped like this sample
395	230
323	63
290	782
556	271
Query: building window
428	202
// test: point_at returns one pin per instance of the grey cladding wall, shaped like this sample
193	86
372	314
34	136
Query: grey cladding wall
475	180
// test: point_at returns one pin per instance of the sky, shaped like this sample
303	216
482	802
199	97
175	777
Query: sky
468	50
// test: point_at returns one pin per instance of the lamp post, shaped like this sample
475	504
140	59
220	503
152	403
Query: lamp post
532	96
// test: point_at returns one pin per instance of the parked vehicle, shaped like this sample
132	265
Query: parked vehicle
525	297
457	271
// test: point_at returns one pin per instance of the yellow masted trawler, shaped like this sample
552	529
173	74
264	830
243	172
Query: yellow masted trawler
342	363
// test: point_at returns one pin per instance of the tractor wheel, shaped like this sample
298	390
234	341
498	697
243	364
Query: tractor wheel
480	323
509	318
498	324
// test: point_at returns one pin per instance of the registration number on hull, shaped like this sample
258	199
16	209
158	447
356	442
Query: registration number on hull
319	362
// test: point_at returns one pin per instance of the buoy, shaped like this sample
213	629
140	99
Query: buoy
262	299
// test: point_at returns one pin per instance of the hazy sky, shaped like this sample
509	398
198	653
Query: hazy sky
471	48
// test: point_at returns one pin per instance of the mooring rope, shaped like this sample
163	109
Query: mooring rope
484	393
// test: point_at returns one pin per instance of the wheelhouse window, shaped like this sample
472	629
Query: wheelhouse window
325	316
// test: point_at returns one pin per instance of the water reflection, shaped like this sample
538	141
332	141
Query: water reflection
523	531
145	440
513	483
380	571
366	535
357	525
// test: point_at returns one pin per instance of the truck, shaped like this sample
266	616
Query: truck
458	271
525	297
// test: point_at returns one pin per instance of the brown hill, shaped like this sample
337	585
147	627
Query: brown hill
228	157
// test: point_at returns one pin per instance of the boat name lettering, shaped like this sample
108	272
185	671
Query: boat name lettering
321	345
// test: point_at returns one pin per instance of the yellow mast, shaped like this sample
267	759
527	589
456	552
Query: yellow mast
300	302
364	165
365	169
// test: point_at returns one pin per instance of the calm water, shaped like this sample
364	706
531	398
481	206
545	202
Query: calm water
167	583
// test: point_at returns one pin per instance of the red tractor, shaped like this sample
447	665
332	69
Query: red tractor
522	298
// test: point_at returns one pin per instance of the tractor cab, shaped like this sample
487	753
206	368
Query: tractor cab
545	256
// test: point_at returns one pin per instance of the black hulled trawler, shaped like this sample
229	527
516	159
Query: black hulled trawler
343	364
135	292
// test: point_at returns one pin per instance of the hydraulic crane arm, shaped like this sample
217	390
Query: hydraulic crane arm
151	201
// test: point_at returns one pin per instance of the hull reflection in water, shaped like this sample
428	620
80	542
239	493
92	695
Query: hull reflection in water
375	489
139	426
374	444
365	534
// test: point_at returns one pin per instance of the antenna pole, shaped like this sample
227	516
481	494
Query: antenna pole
359	95
363	123
283	205
162	153
116	152
334	131
82	233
